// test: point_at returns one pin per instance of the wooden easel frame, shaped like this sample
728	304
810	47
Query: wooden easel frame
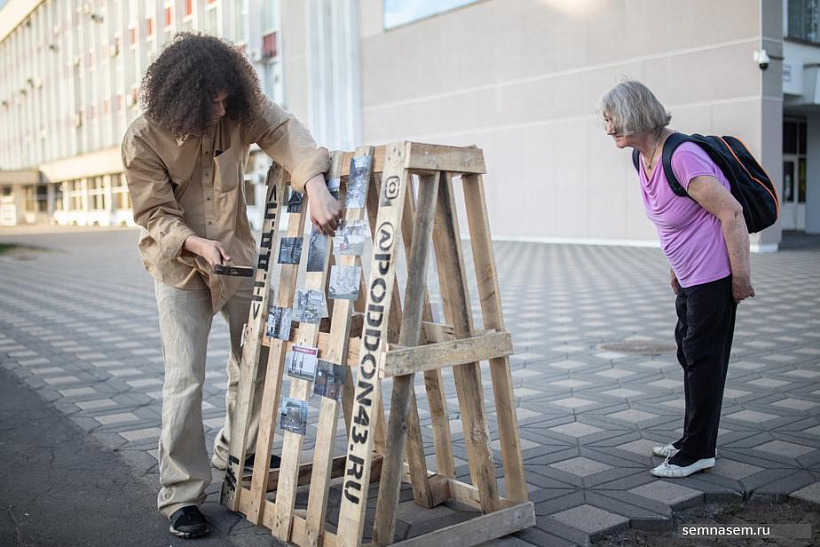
380	340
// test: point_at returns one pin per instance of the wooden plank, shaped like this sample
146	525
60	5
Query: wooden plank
368	389
479	529
388	500
436	396
337	470
414	451
244	505
458	352
394	317
454	159
300	535
269	413
375	168
323	343
437	332
329	414
458	312
490	296
251	349
447	488
299	389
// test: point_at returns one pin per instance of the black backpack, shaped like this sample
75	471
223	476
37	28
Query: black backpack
750	184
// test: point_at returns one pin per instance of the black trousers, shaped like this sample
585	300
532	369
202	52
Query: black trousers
706	325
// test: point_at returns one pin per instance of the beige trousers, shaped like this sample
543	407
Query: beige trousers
185	318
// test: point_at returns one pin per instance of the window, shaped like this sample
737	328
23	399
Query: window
96	194
189	7
122	200
41	196
75	195
149	27
269	45
250	193
794	154
803	20
29	199
169	17
58	197
401	12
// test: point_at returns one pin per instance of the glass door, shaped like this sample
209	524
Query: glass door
793	193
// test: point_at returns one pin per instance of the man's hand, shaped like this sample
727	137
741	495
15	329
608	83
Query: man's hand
742	288
212	251
674	283
324	208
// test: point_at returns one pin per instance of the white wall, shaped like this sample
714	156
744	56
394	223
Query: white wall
520	78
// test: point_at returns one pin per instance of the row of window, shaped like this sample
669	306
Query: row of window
804	20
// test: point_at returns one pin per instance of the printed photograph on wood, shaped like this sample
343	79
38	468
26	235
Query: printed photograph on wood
350	238
330	380
278	325
357	182
293	415
295	202
310	306
290	250
300	362
316	251
344	282
333	187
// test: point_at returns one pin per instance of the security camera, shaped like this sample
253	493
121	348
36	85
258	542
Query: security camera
762	59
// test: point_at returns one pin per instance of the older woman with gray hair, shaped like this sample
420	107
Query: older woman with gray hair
706	242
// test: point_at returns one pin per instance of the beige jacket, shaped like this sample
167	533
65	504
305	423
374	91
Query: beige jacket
181	187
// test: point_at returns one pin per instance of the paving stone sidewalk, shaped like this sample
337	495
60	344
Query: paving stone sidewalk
78	324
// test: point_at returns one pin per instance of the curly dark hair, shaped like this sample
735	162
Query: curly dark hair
179	87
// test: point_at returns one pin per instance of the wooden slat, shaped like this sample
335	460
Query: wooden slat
375	168
269	413
329	414
458	352
479	529
336	470
251	349
447	488
437	332
394	317
490	296
300	389
244	506
458	312
435	157
414	451
323	343
368	389
436	396
414	299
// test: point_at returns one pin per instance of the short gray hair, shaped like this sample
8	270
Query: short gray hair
633	108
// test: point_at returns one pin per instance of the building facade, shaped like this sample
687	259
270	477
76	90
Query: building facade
71	74
518	78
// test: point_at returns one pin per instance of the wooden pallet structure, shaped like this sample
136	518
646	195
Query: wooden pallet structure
375	339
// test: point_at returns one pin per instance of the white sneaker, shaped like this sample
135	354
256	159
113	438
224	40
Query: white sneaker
670	471
665	451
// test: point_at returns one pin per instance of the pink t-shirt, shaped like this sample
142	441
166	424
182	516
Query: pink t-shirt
691	237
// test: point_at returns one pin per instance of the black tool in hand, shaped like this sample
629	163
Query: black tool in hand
239	271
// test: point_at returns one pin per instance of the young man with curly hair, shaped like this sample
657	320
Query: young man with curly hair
184	159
